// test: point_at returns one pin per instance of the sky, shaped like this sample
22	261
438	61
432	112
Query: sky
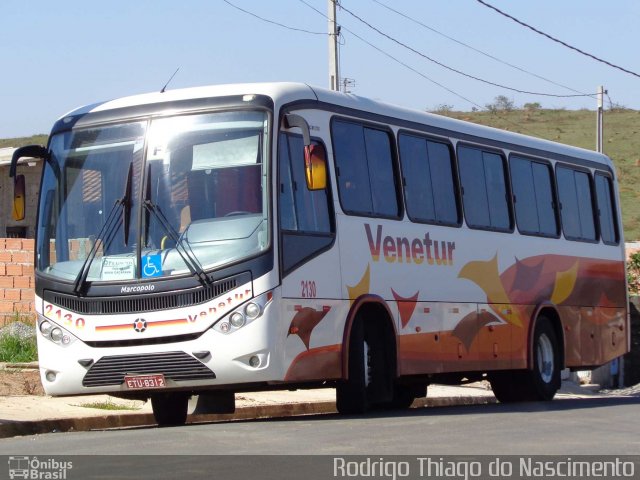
57	56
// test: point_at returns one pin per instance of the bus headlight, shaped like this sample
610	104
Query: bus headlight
45	328
252	311
244	315
237	319
53	332
56	334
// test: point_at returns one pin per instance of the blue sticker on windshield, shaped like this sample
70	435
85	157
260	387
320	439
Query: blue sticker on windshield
151	266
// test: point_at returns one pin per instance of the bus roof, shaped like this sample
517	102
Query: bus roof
287	92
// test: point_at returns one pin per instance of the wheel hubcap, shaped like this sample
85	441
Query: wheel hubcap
545	358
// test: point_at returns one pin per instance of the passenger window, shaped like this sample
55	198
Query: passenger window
576	204
428	178
533	197
606	209
484	189
364	164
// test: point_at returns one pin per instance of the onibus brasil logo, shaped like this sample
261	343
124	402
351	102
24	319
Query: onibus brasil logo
38	469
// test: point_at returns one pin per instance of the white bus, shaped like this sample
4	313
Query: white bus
222	239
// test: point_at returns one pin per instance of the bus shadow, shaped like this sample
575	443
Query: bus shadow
558	405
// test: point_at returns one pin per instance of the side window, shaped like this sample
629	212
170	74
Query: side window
533	197
306	225
576	204
484	189
364	165
301	210
428	178
606	209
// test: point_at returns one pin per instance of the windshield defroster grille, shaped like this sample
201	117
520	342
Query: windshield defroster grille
145	303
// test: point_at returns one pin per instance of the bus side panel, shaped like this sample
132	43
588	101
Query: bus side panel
613	331
312	320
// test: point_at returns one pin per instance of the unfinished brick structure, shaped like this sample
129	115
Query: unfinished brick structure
16	278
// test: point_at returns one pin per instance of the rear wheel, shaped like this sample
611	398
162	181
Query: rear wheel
170	409
404	395
542	381
545	375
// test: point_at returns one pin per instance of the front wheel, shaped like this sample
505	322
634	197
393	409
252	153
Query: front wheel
170	409
351	395
371	369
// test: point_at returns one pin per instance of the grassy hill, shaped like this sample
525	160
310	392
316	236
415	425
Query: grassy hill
40	139
578	128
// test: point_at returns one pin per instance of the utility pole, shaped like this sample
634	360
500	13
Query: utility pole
347	84
599	126
334	77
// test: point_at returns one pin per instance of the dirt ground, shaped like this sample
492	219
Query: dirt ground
20	382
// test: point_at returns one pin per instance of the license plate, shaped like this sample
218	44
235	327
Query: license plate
144	381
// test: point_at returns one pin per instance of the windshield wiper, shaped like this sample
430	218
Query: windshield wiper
107	232
187	255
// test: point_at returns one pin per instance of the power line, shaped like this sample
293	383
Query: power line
556	40
451	68
271	21
342	27
488	55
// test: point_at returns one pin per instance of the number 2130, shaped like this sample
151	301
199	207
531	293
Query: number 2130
308	288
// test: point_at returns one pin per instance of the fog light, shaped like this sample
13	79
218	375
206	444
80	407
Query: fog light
237	320
45	328
56	334
252	311
254	361
50	376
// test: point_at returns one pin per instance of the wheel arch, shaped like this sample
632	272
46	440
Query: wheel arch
376	309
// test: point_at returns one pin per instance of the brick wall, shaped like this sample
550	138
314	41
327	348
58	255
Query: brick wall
16	278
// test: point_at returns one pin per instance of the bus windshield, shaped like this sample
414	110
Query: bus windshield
170	196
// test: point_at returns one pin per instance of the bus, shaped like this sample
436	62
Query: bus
231	238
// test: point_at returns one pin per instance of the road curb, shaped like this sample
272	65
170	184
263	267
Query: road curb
101	422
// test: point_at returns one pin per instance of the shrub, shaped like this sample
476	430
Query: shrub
501	104
633	273
18	343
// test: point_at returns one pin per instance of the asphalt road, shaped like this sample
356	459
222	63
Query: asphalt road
585	426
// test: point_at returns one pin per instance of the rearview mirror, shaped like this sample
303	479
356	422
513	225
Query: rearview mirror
315	166
17	212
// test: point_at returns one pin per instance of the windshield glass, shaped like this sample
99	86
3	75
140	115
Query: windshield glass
195	202
89	171
206	191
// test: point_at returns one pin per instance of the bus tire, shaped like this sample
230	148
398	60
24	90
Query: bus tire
508	386
404	395
351	394
542	381
170	409
544	376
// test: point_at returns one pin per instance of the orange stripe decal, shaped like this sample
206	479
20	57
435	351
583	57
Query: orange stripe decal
128	326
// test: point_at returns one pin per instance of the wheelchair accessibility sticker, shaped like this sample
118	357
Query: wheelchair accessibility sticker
151	266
